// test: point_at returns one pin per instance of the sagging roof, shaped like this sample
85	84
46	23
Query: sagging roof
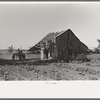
48	37
51	36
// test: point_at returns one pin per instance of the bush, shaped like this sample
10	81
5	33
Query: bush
82	57
97	51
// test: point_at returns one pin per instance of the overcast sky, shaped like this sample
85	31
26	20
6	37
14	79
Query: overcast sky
25	24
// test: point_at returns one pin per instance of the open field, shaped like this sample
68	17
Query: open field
4	54
34	69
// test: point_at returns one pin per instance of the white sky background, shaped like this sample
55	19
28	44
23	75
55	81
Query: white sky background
25	24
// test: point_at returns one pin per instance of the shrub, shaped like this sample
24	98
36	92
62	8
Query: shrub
82	57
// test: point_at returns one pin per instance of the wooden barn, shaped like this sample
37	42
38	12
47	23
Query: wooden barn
61	45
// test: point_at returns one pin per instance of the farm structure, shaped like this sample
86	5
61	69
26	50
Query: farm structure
61	45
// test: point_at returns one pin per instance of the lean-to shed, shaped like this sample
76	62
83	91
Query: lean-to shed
62	45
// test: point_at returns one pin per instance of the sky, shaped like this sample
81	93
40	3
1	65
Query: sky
25	24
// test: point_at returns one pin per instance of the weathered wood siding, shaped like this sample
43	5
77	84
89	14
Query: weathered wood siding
67	44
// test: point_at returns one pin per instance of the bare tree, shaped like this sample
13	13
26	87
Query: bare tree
97	49
11	49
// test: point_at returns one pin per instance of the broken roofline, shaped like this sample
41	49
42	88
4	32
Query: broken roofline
55	36
45	38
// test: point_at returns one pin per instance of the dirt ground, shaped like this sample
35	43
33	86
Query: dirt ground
52	71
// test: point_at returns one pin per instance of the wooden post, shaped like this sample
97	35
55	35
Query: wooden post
42	53
48	55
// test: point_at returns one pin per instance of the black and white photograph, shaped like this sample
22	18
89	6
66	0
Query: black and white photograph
49	41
